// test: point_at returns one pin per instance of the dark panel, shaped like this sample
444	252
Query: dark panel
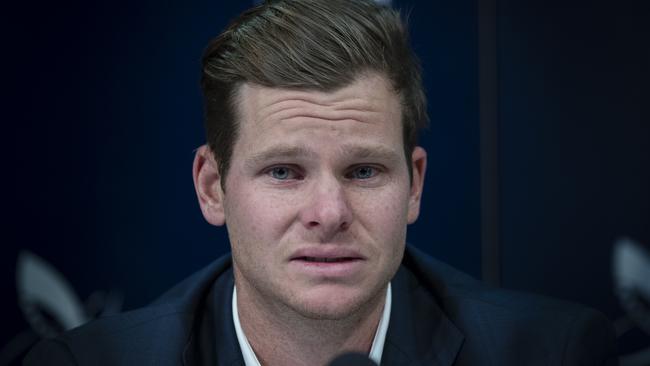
489	127
574	144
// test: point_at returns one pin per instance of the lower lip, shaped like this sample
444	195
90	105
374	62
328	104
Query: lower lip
344	268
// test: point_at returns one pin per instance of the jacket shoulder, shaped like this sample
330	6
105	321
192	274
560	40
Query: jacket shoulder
152	335
50	352
511	327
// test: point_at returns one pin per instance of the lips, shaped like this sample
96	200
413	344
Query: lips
326	255
328	263
325	260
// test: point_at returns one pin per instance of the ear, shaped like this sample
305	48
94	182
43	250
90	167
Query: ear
419	165
207	183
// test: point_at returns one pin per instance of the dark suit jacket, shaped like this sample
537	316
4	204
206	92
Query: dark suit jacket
439	317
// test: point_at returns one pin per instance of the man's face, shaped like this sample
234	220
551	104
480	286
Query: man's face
318	196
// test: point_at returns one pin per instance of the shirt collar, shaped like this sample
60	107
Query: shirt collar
250	359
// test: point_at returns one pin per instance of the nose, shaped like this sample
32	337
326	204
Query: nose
326	211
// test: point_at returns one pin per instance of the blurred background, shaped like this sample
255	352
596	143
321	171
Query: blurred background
539	147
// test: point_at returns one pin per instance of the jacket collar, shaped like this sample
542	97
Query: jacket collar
419	332
213	340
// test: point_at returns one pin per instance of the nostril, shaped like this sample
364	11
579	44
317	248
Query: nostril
312	223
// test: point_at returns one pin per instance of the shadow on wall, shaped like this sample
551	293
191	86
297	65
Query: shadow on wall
50	304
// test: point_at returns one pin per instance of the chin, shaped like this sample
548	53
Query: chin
334	305
326	311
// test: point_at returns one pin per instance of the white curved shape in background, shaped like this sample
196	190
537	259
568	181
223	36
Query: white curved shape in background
631	266
41	284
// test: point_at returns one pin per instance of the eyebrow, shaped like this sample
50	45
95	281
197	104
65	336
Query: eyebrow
279	152
372	152
291	152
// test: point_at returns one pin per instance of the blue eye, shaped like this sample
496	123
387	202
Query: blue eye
363	172
282	173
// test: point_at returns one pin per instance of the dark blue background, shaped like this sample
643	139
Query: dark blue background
103	110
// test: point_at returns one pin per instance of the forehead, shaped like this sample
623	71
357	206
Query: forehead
367	91
366	110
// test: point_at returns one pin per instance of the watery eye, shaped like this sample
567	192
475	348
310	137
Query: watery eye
280	173
364	172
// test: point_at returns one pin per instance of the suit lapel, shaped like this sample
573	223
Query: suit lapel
214	341
419	332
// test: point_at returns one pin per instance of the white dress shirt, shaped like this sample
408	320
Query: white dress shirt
250	359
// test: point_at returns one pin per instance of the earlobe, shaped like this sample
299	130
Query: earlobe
207	183
419	165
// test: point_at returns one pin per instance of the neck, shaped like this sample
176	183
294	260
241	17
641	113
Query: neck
281	336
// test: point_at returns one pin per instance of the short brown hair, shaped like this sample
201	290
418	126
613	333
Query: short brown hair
308	44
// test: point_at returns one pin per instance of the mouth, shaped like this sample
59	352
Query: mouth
326	259
328	263
326	254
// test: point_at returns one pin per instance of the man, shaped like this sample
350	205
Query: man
312	110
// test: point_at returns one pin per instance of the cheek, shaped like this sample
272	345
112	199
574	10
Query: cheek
384	205
254	217
383	214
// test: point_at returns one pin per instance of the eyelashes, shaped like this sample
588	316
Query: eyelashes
283	172
361	172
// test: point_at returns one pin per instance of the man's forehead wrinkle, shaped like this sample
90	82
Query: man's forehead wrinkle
288	106
364	94
348	102
308	115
